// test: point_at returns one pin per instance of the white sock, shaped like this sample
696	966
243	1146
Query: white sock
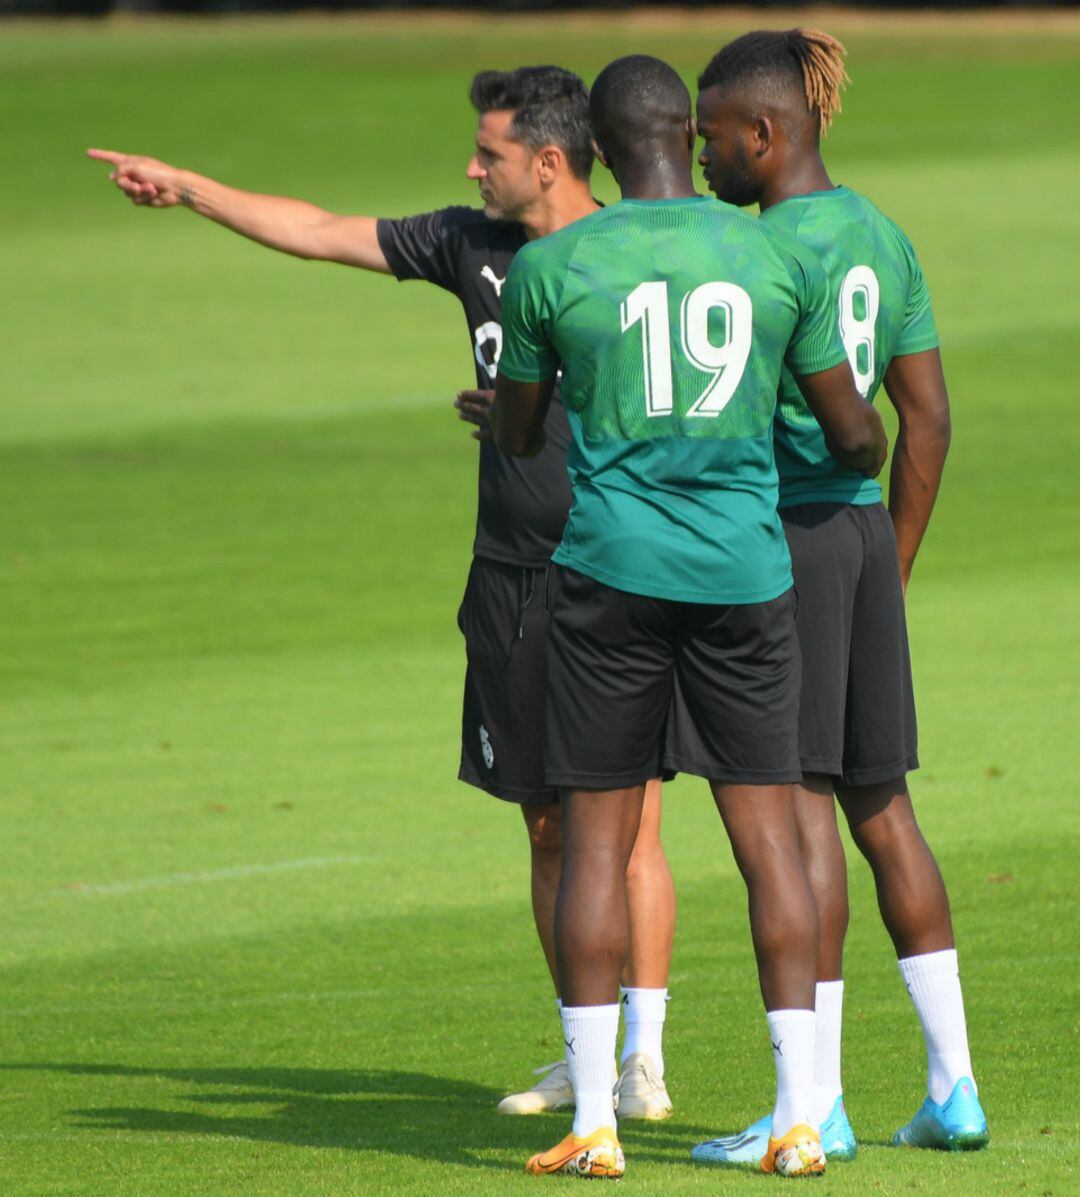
792	1035
645	1011
829	1008
933	980
590	1033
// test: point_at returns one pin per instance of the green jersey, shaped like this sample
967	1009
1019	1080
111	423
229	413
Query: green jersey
879	296
671	319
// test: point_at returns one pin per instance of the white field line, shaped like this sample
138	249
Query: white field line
382	993
207	876
435	398
95	1133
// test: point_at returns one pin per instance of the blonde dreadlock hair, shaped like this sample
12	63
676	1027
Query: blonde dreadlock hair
807	58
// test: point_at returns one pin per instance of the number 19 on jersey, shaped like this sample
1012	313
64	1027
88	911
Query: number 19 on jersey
725	363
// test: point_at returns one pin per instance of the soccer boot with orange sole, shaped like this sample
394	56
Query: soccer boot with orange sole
798	1153
595	1155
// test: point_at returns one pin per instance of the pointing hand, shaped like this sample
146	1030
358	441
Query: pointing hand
145	181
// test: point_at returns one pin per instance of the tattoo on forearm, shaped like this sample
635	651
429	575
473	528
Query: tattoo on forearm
187	197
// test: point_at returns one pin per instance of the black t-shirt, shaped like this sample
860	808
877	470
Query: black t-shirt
523	502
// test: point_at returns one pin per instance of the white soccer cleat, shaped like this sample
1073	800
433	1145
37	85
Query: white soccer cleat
640	1091
552	1092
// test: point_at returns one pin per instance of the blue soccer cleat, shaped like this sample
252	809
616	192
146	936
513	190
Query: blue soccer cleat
736	1151
957	1125
837	1137
747	1149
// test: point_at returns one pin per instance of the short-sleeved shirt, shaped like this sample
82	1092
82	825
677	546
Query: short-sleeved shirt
671	319
878	295
521	504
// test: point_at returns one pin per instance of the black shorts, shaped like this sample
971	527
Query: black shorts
642	687
857	715
505	625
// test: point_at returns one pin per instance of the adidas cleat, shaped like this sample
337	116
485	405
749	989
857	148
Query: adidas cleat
595	1155
837	1137
957	1125
640	1091
736	1151
798	1153
746	1150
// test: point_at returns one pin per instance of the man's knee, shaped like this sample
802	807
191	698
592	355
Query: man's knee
880	817
544	825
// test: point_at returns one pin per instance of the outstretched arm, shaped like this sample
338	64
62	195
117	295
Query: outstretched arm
915	384
854	433
291	226
517	419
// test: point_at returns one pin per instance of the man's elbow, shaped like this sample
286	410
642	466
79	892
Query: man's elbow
509	441
862	446
518	444
930	427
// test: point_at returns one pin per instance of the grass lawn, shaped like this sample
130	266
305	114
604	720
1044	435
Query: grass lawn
256	937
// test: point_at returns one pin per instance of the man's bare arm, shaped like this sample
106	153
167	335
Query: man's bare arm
291	226
517	419
915	383
854	433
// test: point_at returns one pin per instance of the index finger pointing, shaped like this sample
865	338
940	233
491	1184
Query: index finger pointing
106	156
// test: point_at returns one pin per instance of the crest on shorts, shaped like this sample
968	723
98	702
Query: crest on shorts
485	747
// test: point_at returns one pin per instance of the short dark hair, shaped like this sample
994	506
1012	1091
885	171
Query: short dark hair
636	102
804	59
550	106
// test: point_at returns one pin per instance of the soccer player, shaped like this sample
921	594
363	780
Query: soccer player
765	99
532	162
670	316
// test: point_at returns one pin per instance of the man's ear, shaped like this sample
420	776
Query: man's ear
551	161
763	132
691	130
598	150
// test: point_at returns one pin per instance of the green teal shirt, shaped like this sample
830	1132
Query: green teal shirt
878	294
670	319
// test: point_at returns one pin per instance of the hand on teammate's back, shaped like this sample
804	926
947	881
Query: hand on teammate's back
145	181
475	407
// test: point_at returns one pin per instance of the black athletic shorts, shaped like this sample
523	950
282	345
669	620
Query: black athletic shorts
857	714
505	625
642	687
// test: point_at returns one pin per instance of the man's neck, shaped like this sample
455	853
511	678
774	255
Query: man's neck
657	181
799	177
557	210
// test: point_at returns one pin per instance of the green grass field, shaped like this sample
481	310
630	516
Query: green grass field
256	937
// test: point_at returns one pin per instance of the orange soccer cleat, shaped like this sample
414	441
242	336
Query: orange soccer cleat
598	1154
798	1153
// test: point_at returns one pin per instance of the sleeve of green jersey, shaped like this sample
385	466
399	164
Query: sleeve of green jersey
919	331
815	344
527	353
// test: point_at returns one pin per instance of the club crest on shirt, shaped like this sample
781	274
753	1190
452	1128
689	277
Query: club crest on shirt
485	747
494	280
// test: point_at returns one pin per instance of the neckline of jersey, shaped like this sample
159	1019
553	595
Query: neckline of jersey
829	192
681	199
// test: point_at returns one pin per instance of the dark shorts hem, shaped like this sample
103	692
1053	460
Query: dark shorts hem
519	797
569	779
829	766
727	775
873	774
865	776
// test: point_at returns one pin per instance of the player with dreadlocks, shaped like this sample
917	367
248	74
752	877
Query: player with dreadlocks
765	101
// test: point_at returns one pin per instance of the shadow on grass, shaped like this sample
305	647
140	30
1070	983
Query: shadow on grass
409	1114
